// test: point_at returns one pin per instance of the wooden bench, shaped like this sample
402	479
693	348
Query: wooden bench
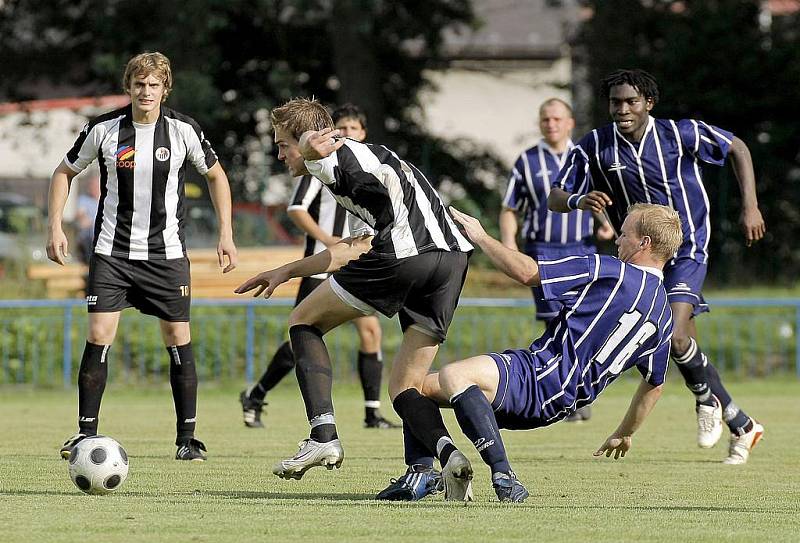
208	281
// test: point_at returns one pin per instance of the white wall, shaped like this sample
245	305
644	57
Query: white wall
495	103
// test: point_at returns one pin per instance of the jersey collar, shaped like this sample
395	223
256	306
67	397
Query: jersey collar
649	269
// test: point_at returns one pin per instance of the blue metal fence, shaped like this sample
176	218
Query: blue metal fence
41	340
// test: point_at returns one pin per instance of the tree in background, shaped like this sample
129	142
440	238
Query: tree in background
731	63
234	60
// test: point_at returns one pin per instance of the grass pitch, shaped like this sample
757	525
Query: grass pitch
666	489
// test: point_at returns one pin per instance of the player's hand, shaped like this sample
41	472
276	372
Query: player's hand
57	246
618	445
472	226
317	144
752	224
606	231
226	247
595	201
265	282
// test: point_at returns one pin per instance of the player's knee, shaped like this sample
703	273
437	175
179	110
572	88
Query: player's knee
99	334
680	343
451	380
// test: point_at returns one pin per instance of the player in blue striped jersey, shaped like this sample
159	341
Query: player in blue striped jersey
638	158
616	316
547	234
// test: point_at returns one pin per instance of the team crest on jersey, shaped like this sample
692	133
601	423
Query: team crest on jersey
125	154
162	154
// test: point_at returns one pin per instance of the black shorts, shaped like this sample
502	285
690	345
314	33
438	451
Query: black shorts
307	286
154	287
423	289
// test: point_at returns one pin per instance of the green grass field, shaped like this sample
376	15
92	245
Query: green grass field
666	489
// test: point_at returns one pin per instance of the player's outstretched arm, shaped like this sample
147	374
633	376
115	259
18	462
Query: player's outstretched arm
750	219
329	260
518	266
642	403
57	246
220	191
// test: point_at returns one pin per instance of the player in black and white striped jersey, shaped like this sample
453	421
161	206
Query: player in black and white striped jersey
139	256
414	265
314	210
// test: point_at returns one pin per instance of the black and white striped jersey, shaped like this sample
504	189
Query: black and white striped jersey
142	171
393	197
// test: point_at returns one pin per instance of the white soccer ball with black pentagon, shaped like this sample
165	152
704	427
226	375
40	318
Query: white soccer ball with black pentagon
98	465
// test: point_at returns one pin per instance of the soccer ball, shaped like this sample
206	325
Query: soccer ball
98	465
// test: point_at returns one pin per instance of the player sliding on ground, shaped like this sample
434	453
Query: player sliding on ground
616	316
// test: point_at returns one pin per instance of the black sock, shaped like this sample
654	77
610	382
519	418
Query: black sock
476	418
183	380
315	377
415	452
279	367
92	378
422	416
370	370
737	420
692	368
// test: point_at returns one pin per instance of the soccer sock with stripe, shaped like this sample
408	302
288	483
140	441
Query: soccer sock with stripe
422	416
315	377
476	418
183	380
737	420
279	367
92	378
692	368
370	369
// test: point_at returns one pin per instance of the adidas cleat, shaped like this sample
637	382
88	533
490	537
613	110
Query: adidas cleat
417	482
310	454
191	450
380	423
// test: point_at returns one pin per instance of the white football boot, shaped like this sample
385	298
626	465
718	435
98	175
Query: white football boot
709	424
740	446
310	454
457	475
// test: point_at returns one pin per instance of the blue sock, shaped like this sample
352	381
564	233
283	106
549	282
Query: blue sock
476	418
737	420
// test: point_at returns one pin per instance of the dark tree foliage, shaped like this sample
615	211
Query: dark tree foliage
234	60
719	61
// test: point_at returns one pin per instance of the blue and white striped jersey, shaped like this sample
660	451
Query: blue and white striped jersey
534	173
393	197
615	316
664	168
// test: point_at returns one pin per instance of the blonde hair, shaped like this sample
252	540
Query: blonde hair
662	225
146	64
300	115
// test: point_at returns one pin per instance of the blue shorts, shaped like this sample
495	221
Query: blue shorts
547	309
683	279
516	405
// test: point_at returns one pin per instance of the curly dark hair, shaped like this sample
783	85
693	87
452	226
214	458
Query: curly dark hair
643	82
